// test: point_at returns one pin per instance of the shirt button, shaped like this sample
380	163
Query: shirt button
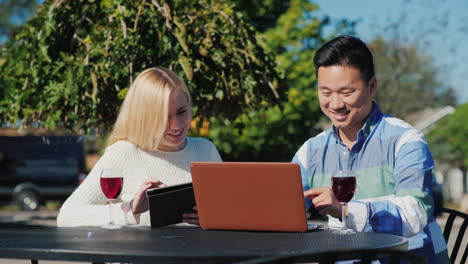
345	153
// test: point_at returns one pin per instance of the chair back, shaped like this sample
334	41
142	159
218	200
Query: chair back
365	256
452	215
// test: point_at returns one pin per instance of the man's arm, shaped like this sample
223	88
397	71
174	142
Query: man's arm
406	212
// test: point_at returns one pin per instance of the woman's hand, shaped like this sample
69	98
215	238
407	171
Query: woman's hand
191	218
140	201
324	201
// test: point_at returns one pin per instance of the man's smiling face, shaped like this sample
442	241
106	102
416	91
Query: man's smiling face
345	97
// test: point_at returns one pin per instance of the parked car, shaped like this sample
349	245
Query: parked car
34	169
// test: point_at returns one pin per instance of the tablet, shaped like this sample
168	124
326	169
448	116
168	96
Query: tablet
167	204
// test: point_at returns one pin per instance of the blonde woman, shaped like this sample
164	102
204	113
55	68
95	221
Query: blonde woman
148	145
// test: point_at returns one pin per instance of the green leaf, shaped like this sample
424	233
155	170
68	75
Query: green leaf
122	93
180	25
186	65
45	53
182	41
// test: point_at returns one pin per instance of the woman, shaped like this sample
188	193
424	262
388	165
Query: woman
148	145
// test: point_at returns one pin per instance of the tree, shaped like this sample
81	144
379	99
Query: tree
273	133
72	63
448	143
448	139
262	15
407	79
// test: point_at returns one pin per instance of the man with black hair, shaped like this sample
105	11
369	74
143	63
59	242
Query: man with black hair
391	159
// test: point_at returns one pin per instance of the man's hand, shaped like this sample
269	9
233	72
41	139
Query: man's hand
324	201
140	201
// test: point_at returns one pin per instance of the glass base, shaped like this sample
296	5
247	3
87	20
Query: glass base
111	226
343	231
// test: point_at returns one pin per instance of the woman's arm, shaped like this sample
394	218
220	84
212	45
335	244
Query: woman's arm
87	205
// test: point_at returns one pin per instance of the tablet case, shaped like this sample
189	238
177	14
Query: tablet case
167	204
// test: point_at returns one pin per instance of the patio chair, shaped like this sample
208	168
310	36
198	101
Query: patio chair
365	256
452	215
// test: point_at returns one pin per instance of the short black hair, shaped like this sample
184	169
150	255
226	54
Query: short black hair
346	51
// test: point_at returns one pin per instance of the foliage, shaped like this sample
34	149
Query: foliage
268	134
263	14
72	63
274	133
448	139
407	79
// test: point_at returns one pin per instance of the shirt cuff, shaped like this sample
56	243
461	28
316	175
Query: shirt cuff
358	216
357	219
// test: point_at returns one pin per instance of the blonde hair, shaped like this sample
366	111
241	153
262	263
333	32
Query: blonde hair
144	113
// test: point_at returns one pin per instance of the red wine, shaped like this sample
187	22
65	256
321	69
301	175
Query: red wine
111	187
343	188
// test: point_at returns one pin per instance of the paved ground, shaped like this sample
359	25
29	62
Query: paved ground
48	218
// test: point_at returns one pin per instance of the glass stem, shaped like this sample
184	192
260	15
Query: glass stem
343	214
110	212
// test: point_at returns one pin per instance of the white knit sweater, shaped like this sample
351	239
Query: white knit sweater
86	206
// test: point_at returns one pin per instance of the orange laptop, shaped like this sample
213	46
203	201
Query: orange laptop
249	196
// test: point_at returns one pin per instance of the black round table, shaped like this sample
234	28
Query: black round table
176	244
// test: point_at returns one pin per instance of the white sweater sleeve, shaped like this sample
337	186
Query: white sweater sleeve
87	204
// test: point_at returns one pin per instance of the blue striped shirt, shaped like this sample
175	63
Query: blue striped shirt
393	168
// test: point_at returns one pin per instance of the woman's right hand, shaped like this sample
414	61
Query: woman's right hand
140	201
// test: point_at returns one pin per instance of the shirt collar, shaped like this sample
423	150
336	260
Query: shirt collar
372	120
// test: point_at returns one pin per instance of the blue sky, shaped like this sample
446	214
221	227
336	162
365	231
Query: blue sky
439	28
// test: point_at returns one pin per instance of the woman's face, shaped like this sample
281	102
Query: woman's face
178	123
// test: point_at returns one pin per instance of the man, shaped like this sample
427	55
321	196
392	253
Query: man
391	160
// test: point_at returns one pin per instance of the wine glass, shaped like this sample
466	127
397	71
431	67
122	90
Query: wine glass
343	186
111	185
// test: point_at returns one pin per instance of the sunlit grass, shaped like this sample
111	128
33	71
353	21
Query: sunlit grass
9	208
51	205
